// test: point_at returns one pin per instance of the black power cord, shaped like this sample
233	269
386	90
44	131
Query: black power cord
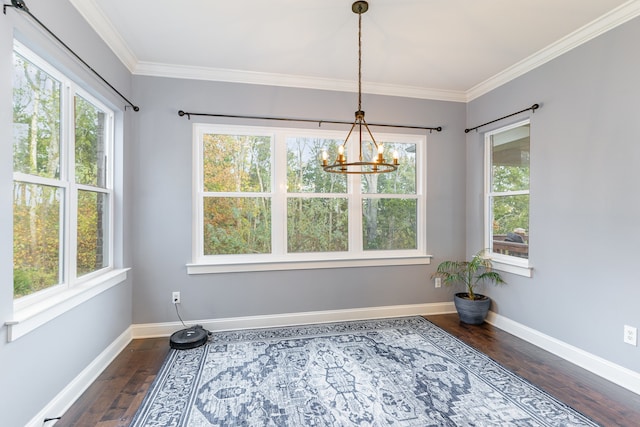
178	313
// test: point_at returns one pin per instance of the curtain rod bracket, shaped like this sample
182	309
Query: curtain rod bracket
533	109
20	4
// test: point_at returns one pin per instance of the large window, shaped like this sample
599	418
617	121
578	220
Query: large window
62	191
262	197
507	193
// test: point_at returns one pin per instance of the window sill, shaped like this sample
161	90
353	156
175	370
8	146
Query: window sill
507	267
33	316
232	267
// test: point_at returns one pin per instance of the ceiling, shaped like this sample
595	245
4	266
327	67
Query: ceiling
434	49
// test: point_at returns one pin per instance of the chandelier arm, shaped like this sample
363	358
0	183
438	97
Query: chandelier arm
344	144
370	134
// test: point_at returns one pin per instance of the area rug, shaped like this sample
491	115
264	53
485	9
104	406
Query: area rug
388	372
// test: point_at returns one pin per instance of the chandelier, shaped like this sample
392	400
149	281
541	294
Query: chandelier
377	164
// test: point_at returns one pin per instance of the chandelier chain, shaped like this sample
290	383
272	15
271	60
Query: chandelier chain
360	60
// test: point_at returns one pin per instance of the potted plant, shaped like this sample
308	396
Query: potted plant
472	307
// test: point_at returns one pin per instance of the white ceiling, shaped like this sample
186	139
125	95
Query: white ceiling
438	49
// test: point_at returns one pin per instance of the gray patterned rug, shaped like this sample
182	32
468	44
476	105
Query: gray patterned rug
388	372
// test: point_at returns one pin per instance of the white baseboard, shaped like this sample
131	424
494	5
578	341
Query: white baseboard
75	388
150	330
615	373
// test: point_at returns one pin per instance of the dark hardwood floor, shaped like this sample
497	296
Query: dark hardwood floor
114	397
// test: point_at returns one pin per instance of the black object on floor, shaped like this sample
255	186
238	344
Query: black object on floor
192	337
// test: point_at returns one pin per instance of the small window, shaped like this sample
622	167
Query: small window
507	193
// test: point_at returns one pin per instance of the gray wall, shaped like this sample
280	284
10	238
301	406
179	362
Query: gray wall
162	204
37	366
585	208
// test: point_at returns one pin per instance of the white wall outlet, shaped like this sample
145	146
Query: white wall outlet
438	282
175	297
630	335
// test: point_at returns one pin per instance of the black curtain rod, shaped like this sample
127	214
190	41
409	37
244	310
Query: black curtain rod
533	108
320	122
19	4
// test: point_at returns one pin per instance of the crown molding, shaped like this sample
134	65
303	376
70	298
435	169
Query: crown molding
288	80
101	24
107	32
606	22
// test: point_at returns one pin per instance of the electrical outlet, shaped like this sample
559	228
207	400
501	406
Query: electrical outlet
175	297
630	335
438	282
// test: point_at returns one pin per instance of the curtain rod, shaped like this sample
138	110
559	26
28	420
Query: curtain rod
533	108
20	5
320	122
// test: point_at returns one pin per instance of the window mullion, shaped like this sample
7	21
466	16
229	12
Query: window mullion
488	217
354	193
197	219
508	193
71	203
39	180
279	194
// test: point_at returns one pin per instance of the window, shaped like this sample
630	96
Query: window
262	197
62	181
507	152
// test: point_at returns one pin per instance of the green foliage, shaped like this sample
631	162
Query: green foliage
468	273
510	212
22	283
389	224
317	225
237	225
36	236
237	163
304	169
402	181
89	144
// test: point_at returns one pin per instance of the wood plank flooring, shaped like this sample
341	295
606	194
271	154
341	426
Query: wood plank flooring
112	400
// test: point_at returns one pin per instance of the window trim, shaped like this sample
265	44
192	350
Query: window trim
36	309
34	315
279	259
506	263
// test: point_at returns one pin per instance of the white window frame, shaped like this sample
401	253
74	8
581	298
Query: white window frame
509	264
279	259
34	310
